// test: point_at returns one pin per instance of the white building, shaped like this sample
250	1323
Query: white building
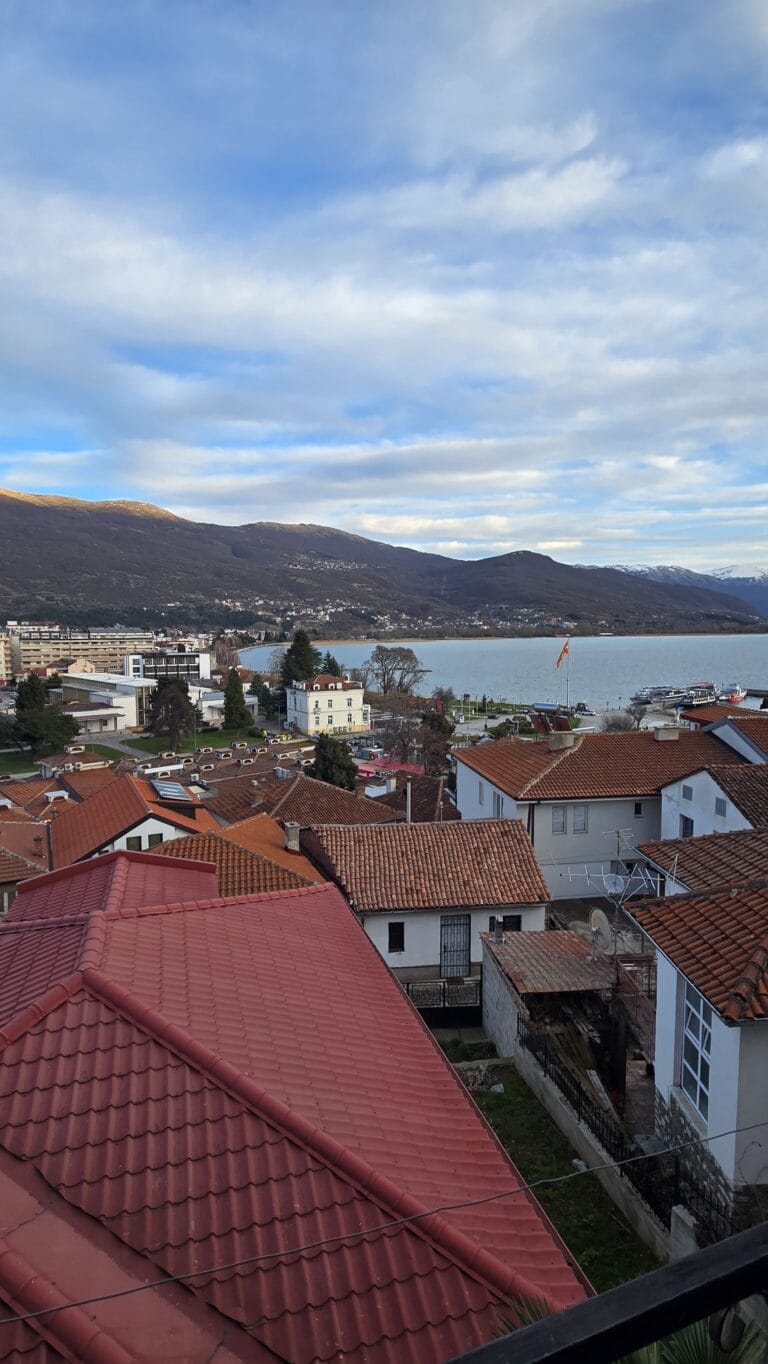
586	801
424	893
127	696
328	705
210	704
191	665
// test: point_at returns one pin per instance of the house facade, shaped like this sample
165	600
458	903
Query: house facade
328	705
425	893
127	697
586	802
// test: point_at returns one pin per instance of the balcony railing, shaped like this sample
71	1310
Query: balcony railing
445	994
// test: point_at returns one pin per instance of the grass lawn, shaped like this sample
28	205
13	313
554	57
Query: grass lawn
101	751
217	738
17	762
594	1230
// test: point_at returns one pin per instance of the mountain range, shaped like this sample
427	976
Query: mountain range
748	582
65	558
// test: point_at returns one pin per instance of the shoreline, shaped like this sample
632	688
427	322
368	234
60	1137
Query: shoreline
504	639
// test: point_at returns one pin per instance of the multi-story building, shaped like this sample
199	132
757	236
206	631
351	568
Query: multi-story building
328	705
129	696
6	659
188	664
39	646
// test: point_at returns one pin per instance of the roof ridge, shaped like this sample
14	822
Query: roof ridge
53	998
73	1330
454	1244
289	787
557	758
740	999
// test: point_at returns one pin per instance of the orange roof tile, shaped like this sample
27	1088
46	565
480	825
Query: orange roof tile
262	834
428	866
704	863
238	871
305	800
747	786
14	868
597	766
429	800
752	724
719	941
82	829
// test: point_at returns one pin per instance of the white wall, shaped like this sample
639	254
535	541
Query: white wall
751	1148
701	808
573	863
500	1006
731	735
422	933
148	826
474	796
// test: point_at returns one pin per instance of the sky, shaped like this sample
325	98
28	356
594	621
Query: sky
471	278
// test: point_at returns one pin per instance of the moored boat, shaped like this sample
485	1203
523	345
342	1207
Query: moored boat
732	692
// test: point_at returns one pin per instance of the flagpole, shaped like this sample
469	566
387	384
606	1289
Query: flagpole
568	677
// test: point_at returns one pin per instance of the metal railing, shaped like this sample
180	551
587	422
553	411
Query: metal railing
661	1181
445	994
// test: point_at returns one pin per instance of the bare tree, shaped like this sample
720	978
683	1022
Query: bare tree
395	669
224	652
617	722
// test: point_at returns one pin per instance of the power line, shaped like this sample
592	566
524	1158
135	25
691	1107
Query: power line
375	1230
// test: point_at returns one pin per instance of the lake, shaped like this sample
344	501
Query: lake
604	670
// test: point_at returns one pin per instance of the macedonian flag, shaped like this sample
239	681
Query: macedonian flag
563	653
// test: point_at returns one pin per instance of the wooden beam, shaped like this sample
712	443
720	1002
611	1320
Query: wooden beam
613	1324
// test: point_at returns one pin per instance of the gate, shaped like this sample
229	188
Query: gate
454	944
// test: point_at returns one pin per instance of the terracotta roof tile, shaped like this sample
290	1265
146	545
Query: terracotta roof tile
85	784
429	866
747	786
707	715
719	942
305	801
80	830
118	879
128	1089
14	868
234	798
429	800
553	962
238	871
263	835
752	724
597	766
704	863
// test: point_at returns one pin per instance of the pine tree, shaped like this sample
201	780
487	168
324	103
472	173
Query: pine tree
171	713
236	714
330	665
31	693
333	763
301	661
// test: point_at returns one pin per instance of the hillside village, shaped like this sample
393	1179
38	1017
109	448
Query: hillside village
260	985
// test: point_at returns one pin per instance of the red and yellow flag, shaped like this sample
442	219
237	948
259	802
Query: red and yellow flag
563	653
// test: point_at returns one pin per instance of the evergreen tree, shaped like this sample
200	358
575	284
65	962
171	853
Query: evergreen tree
333	763
236	713
330	665
301	661
47	730
171	713
31	693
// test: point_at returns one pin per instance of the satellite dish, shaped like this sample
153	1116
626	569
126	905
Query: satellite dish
614	884
601	929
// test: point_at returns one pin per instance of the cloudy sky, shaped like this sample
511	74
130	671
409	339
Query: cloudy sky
471	277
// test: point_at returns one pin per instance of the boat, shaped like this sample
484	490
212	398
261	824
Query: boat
700	694
660	696
733	693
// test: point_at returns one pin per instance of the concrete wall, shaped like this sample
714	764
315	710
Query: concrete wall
422	933
143	830
501	1007
573	863
701	808
474	796
750	1151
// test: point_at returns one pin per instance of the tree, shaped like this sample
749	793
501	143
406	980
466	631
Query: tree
31	693
330	665
236	713
444	699
395	669
433	737
224	651
47	730
301	661
617	722
333	763
171	713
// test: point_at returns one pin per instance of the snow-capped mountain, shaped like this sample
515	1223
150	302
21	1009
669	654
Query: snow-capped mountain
747	581
749	573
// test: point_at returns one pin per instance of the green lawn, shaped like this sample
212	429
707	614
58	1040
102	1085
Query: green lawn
217	738
17	762
101	751
594	1230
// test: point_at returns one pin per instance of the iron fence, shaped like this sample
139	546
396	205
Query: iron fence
445	994
661	1181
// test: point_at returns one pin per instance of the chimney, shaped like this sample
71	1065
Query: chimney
390	785
408	801
292	831
560	739
665	734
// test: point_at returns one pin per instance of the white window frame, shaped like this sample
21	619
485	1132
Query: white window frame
580	819
559	815
498	805
696	1050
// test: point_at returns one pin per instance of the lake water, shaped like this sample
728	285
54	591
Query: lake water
604	671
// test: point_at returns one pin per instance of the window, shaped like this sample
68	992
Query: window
721	806
579	819
133	844
153	840
638	809
498	805
481	793
686	827
687	793
697	1040
558	819
396	935
511	923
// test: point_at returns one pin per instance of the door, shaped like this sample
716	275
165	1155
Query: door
454	944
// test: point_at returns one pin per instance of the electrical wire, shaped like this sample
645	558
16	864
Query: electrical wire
375	1230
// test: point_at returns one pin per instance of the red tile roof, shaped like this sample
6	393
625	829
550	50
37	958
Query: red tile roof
752	724
719	942
238	871
725	860
84	828
27	839
305	801
429	800
597	766
84	784
234	798
707	715
555	962
115	880
430	866
263	835
324	681
747	786
14	868
181	1080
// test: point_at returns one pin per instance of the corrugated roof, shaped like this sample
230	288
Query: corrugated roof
431	866
719	942
598	766
556	962
238	871
704	863
81	829
186	1085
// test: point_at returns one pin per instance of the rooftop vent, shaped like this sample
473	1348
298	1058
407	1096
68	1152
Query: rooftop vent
665	734
560	739
56	795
